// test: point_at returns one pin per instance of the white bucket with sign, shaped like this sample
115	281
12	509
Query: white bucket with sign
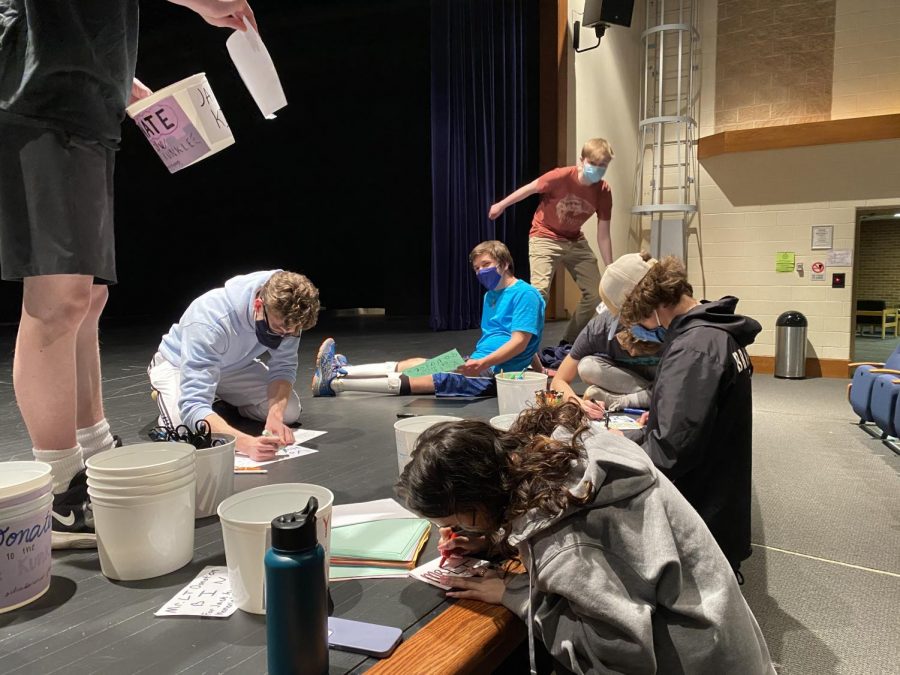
407	432
25	532
183	122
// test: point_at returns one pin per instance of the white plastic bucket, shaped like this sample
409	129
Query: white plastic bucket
164	478
515	391
407	432
143	537
25	531
215	475
503	422
142	459
106	491
183	122
247	532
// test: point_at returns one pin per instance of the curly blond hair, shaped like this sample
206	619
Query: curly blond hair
293	297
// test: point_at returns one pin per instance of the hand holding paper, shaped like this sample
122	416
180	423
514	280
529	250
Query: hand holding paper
255	66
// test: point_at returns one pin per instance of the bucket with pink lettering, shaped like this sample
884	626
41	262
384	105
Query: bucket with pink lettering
183	122
26	500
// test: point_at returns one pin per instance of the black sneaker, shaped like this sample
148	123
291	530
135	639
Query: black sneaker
73	517
117	441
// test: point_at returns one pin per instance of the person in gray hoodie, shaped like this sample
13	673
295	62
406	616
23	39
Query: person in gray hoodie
622	575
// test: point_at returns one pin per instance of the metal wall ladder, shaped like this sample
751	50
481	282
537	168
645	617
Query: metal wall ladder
665	188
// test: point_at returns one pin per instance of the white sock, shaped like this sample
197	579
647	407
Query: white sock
95	439
371	369
373	385
64	465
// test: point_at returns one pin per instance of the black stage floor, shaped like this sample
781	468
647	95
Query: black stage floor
89	624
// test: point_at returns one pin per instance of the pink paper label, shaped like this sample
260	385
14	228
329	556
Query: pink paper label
24	557
171	133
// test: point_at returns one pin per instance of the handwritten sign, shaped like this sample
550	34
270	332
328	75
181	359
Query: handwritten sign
172	134
209	596
445	363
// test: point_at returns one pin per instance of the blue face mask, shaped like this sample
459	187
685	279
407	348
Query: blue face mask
488	277
593	174
265	338
658	334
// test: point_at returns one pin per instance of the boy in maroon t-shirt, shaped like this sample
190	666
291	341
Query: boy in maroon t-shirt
569	196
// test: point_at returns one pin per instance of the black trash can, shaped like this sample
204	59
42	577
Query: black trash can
790	346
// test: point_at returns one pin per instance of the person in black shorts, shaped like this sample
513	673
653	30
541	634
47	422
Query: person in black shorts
66	75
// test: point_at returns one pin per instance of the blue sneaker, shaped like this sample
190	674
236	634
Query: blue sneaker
327	368
341	361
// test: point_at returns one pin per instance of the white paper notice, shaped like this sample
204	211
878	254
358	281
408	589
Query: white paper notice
209	596
840	257
287	452
253	63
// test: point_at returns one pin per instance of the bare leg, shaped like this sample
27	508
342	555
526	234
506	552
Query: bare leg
421	385
44	368
89	399
409	363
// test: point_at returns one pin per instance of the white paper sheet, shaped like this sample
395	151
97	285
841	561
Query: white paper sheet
208	595
255	66
287	452
455	566
366	512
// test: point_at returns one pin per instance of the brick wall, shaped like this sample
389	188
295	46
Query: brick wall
866	58
774	62
877	271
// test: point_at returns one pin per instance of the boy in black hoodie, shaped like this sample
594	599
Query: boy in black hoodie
700	427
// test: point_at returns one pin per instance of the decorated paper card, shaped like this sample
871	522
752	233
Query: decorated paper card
209	596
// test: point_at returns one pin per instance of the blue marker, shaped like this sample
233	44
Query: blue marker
633	411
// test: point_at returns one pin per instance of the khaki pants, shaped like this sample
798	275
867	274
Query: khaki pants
577	257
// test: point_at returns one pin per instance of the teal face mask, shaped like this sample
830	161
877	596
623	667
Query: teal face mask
593	174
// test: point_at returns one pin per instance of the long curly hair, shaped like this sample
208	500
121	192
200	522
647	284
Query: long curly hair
468	465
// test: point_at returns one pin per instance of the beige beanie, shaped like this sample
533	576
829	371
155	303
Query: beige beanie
620	278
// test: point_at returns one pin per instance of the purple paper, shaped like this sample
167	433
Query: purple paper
171	133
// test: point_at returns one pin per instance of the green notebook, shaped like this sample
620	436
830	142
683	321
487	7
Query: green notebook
339	572
394	540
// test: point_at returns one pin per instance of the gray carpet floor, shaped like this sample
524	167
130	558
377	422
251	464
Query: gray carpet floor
873	348
824	578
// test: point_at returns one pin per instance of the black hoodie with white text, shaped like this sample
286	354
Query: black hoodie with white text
700	429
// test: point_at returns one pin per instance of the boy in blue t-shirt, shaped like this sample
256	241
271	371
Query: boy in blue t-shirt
512	321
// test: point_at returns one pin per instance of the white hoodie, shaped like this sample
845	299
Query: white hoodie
217	335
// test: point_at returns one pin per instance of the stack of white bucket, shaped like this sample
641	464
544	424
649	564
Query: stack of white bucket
143	498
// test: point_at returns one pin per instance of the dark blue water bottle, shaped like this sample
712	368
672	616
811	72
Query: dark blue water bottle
296	604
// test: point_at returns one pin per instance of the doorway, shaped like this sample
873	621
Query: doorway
875	313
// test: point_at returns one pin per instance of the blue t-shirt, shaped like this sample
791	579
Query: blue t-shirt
517	307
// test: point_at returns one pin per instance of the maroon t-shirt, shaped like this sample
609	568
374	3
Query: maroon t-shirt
566	204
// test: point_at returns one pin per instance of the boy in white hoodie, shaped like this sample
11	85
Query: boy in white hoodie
214	349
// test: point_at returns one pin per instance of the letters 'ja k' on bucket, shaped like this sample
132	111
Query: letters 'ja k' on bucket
183	122
246	519
25	530
515	391
407	432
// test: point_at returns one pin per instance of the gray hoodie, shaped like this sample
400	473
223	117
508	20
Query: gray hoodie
632	582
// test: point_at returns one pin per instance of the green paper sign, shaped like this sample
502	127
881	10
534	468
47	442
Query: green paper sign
784	261
445	363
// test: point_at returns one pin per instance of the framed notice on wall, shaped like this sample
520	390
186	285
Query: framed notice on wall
822	237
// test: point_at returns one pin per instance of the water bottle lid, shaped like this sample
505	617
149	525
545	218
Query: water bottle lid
296	532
